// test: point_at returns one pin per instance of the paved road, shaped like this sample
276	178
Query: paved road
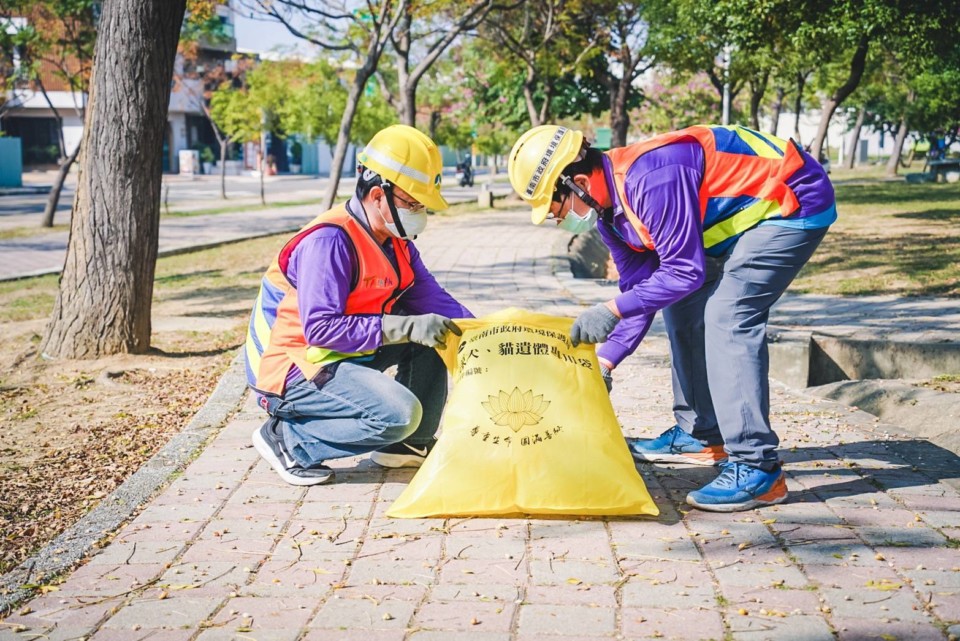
44	253
866	548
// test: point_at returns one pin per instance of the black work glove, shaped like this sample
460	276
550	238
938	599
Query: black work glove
607	378
425	329
593	325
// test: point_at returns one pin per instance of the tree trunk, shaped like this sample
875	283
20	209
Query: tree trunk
857	65
757	89
106	289
435	117
53	200
528	88
798	106
223	167
777	109
408	90
855	137
619	116
894	163
343	136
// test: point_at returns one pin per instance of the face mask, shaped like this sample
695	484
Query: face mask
578	224
414	222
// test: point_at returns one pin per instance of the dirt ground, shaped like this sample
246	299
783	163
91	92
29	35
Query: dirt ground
73	431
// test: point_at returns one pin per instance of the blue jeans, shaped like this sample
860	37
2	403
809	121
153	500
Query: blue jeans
718	342
359	409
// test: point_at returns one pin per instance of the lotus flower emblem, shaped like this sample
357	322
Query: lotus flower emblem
516	409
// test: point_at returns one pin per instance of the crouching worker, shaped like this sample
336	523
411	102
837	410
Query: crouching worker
346	298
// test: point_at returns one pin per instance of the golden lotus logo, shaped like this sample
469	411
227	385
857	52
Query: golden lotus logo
516	409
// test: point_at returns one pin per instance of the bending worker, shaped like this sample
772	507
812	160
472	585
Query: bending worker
346	298
710	225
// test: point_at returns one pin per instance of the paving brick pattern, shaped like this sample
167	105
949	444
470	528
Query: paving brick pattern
868	546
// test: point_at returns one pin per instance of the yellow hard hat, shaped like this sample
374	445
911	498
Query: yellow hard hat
409	159
536	162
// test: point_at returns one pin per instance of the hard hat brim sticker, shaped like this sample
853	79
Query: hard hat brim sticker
545	161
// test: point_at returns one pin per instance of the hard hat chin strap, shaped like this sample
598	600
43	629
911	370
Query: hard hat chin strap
605	212
388	190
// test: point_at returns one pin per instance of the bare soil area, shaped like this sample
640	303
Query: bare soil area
72	431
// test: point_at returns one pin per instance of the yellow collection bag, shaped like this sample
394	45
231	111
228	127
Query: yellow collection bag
528	429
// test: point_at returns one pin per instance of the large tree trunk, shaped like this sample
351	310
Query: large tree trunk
53	200
776	110
857	65
106	288
855	137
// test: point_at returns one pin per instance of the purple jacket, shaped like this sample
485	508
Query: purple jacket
321	268
663	186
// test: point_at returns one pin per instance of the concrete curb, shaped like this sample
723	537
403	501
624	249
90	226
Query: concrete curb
74	543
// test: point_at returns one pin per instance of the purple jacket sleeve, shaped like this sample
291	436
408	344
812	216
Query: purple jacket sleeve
321	268
426	296
663	189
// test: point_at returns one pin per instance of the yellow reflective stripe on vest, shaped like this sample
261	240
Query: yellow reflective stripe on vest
262	333
323	356
758	143
740	222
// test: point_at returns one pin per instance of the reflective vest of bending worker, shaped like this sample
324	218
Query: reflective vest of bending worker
744	182
275	339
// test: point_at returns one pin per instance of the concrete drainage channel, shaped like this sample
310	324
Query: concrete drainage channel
868	374
871	375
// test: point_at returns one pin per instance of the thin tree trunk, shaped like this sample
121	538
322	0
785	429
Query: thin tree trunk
857	65
756	95
263	171
528	87
59	119
798	106
343	136
777	110
408	90
53	200
619	116
855	137
894	163
106	289
223	168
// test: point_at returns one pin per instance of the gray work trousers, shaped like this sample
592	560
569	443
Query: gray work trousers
718	342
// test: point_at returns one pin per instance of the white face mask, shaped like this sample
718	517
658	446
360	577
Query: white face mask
414	222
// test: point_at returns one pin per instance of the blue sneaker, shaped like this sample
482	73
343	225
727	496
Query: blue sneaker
676	446
740	487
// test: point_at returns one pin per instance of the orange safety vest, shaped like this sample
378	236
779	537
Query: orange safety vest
745	177
275	340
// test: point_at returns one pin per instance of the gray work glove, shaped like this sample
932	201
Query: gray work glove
425	329
593	325
607	378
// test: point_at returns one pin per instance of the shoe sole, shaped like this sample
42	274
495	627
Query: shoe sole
263	448
395	461
705	458
772	497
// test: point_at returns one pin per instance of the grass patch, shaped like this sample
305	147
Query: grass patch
891	238
28	232
239	207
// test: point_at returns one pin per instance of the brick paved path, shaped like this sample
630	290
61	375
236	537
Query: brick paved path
868	547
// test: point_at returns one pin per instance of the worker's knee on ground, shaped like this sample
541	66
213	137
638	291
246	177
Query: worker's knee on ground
399	416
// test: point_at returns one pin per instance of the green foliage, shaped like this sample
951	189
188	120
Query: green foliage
237	113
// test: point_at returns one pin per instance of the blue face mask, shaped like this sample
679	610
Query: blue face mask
577	224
